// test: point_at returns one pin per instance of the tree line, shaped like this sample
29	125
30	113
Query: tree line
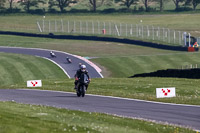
93	4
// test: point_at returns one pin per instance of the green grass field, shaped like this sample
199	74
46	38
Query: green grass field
18	118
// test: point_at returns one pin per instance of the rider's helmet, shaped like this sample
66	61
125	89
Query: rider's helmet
67	57
83	68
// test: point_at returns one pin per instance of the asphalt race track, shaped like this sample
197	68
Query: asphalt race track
185	115
69	69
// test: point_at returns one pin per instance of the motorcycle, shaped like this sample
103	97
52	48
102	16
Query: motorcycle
69	60
82	85
53	55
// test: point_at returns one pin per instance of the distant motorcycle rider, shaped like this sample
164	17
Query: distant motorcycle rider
68	60
52	54
78	74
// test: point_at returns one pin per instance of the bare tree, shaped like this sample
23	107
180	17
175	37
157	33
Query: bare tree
96	3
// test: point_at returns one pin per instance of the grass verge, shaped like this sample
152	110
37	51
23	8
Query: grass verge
17	118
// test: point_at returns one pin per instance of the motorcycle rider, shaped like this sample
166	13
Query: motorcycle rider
78	74
68	60
52	54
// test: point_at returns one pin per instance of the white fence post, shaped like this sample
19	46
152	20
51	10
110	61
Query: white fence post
92	27
120	25
62	28
43	26
74	27
55	26
98	27
87	27
153	31
68	26
169	35
49	26
38	24
109	28
142	32
158	33
117	30
131	30
80	27
163	34
174	37
189	39
126	30
179	37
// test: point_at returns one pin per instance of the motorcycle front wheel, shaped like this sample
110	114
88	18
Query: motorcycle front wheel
83	90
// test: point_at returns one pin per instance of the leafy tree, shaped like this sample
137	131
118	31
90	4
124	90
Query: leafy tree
194	3
61	4
162	3
95	4
2	2
128	3
146	4
30	3
10	4
177	2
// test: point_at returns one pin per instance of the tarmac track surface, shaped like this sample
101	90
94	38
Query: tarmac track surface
185	115
69	68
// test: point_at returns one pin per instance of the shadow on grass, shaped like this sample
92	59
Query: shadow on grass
174	73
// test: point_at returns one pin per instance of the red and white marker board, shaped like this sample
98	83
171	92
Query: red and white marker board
165	92
34	83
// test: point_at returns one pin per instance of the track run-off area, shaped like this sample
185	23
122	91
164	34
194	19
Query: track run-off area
182	115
